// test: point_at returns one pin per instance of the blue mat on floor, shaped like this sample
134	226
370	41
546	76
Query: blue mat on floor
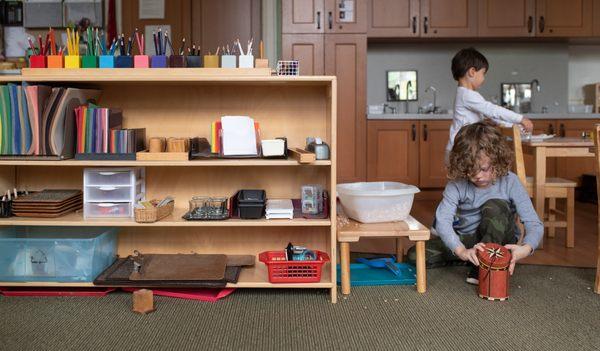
361	274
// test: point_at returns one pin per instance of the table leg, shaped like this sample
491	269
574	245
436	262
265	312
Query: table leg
399	250
421	274
540	184
345	265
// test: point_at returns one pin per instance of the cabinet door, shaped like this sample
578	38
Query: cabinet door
346	58
564	18
596	18
307	49
393	18
393	151
541	126
506	18
345	16
303	16
573	168
449	18
432	148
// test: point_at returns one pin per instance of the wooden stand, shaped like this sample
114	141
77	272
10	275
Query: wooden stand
294	107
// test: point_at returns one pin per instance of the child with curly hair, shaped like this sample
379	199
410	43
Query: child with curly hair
481	199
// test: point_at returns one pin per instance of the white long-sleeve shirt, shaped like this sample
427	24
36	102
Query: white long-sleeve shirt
470	107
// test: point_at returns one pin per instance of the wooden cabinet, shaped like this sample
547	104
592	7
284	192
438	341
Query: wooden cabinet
393	151
393	18
449	18
596	18
506	18
434	136
573	168
346	58
323	16
308	49
564	18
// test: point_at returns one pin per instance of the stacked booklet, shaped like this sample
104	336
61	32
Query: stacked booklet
279	208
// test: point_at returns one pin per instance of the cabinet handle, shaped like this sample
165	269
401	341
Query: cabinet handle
425	24
562	130
425	132
530	24
542	24
414	132
330	20
550	129
414	24
318	19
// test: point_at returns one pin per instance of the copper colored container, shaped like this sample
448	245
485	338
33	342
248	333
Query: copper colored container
493	272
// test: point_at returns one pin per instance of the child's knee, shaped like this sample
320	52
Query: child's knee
496	208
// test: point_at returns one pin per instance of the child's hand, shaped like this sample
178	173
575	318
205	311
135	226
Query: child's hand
469	254
527	125
518	252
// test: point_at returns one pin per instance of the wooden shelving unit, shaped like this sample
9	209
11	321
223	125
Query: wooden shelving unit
183	103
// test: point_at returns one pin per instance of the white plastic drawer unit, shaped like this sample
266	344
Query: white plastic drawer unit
112	192
111	176
108	209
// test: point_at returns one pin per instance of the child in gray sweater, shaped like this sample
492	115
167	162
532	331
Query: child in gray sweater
481	199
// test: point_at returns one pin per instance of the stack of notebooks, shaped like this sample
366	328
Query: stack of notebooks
48	203
38	120
279	209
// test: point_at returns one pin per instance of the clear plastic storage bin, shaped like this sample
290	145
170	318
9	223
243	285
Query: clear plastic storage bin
111	193
108	177
57	254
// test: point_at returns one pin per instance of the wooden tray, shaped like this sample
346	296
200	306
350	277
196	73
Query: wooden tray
162	156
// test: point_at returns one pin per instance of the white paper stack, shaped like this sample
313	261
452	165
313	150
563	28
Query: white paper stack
239	136
279	208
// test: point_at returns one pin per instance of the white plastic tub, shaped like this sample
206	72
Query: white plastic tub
374	202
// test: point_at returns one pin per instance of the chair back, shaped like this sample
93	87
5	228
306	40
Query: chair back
519	167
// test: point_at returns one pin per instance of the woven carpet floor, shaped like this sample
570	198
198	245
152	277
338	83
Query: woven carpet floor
550	309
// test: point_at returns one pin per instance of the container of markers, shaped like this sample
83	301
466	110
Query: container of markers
158	61
123	61
89	61
141	61
228	61
72	61
176	61
37	61
211	61
106	61
55	61
246	61
194	61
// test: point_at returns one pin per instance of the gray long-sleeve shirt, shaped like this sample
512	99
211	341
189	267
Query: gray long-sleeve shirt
459	212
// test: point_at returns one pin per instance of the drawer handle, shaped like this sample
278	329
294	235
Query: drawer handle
107	173
107	188
107	205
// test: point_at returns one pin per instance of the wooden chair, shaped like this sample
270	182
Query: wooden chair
556	188
597	152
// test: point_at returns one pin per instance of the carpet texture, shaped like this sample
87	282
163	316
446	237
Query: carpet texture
550	309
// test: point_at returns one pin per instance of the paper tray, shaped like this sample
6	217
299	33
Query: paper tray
363	275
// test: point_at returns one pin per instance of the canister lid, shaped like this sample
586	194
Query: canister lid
494	255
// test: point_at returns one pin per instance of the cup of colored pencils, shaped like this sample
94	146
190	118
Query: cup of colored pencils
141	60
159	60
72	60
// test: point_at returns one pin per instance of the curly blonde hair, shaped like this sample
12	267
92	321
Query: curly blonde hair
473	141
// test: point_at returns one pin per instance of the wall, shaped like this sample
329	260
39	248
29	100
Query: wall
509	62
584	68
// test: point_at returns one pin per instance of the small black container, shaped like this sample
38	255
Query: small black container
123	61
194	61
176	61
6	208
251	203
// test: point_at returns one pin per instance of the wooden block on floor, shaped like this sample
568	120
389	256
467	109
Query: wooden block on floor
143	301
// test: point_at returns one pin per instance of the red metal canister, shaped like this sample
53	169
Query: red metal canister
493	272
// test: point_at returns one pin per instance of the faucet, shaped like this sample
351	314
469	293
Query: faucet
434	90
392	108
408	87
538	88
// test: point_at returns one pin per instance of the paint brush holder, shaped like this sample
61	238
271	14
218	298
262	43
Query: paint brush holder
228	61
56	61
211	61
89	61
106	61
123	62
194	61
246	61
37	61
141	61
176	61
158	61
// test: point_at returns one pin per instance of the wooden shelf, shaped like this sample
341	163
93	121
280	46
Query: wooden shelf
192	163
250	277
174	220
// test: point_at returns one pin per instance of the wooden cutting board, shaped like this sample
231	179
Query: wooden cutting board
181	267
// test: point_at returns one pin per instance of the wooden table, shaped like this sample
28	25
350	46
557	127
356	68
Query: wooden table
352	231
554	147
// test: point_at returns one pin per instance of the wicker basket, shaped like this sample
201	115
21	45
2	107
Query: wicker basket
149	215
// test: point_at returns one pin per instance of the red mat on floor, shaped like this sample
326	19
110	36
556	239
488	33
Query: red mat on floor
97	292
209	295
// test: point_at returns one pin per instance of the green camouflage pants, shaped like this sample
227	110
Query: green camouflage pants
497	226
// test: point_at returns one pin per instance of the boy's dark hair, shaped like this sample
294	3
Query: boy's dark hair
474	140
465	59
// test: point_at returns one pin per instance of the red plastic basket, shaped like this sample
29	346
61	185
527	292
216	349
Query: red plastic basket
282	271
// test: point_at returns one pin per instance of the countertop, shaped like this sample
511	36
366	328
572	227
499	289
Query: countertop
416	116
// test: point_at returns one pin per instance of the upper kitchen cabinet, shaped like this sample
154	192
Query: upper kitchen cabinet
596	16
448	18
393	18
564	18
323	16
308	49
506	18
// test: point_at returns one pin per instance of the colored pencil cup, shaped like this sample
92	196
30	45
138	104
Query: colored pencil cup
37	61
194	61
89	61
176	61
228	61
72	61
211	61
106	61
158	61
261	63
141	61
246	61
123	61
55	61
